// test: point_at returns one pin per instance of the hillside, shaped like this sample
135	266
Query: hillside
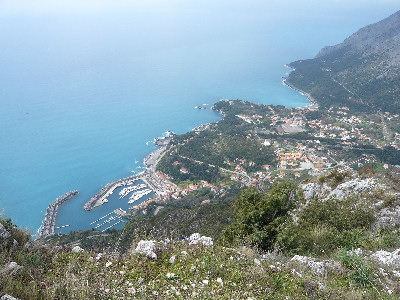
335	236
362	72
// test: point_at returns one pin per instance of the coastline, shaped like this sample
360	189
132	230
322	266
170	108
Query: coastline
313	103
160	186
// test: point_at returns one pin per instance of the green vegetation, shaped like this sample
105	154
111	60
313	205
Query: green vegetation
258	219
361	73
325	226
199	155
180	271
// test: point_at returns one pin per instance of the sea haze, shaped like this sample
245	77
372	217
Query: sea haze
81	93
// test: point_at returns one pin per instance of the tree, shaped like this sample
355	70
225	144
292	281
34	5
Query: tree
258	219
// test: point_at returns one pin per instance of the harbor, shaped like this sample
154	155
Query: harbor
49	223
149	177
101	197
142	189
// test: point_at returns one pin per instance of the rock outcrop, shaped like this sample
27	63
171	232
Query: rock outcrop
196	239
10	268
354	186
4	235
389	259
317	267
147	248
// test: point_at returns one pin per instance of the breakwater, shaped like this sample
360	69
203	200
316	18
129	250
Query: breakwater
49	222
150	162
100	198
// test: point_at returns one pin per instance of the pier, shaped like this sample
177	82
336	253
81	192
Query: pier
101	196
109	220
49	223
147	176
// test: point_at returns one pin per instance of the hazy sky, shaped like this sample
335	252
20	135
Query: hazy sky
96	6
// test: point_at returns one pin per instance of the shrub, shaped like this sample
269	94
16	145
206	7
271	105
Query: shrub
360	272
258	219
324	226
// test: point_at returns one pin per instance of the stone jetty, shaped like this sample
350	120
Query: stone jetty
150	162
101	196
49	222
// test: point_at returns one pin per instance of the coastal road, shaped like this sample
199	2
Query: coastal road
222	169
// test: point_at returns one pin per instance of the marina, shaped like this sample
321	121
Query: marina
125	191
109	220
101	197
148	176
138	195
149	181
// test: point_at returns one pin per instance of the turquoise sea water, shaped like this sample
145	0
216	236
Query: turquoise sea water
82	93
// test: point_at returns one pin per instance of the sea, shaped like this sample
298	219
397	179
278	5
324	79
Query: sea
84	92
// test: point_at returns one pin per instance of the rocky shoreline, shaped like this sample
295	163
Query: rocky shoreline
314	103
48	226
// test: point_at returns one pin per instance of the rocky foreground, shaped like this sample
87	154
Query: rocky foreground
340	241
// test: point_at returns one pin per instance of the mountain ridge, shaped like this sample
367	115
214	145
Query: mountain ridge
362	72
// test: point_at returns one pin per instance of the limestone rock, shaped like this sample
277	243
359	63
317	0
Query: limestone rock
10	268
77	249
147	248
8	297
323	191
4	235
172	259
356	186
390	259
317	267
196	239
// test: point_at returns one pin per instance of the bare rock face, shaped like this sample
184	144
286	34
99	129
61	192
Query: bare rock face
388	216
323	191
356	186
313	189
4	235
77	249
8	297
